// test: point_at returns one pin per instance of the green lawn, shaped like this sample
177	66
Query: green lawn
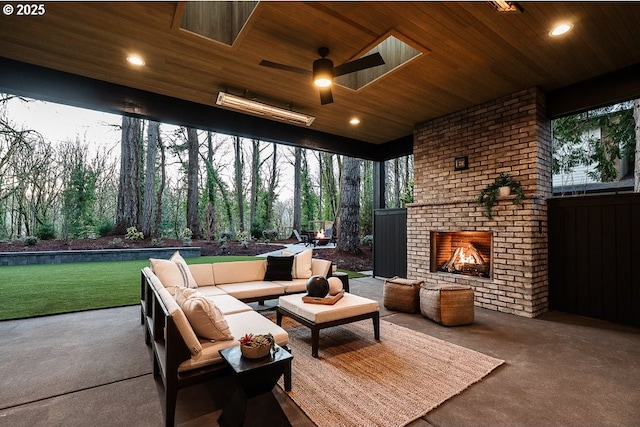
43	289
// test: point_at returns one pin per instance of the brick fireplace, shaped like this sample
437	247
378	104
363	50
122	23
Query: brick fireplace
511	135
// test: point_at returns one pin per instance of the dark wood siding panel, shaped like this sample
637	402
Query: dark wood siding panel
594	256
390	242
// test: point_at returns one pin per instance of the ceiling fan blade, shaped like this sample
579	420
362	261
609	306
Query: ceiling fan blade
270	64
326	97
368	61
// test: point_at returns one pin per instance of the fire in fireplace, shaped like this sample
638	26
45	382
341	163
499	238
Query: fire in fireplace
461	252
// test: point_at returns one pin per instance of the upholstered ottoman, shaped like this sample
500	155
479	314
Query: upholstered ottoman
350	308
448	305
402	294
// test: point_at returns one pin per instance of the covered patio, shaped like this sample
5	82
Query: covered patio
92	368
482	80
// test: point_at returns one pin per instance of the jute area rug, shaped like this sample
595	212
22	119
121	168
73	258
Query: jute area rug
357	381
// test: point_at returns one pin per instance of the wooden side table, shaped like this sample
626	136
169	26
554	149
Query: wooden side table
253	403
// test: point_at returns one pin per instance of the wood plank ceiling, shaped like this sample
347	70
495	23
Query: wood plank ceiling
472	54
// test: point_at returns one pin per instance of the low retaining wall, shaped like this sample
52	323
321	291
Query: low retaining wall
62	257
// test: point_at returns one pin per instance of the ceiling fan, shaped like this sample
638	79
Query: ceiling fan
323	70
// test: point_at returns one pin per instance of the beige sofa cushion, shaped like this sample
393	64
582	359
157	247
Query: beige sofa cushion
255	289
181	322
301	264
228	304
204	316
189	281
168	272
293	286
349	305
248	322
203	274
320	267
239	271
211	291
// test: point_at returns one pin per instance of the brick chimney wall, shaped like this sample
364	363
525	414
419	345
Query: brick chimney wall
510	134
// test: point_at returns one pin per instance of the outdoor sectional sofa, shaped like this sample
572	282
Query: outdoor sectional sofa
190	312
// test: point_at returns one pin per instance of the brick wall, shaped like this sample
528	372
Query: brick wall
510	134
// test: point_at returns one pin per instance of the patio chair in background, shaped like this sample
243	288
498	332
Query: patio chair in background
301	239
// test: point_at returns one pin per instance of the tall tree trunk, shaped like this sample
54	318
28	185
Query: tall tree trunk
330	186
255	178
149	179
238	180
128	206
193	222
297	189
157	223
211	192
396	182
636	116
348	238
273	183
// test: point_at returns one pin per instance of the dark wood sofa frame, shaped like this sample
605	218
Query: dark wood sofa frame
168	350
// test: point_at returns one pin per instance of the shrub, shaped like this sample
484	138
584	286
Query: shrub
104	227
134	234
117	243
270	234
225	236
156	242
46	231
30	240
367	240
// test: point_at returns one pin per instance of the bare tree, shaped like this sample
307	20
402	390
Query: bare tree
348	223
211	192
239	169
128	208
297	189
193	222
153	132
157	222
255	180
273	183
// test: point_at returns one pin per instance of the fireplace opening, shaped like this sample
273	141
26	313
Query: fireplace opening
461	252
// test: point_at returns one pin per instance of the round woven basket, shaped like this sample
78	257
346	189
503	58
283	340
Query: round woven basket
255	352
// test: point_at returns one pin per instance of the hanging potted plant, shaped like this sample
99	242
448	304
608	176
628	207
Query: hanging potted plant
503	186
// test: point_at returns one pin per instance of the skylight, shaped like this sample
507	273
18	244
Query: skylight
395	53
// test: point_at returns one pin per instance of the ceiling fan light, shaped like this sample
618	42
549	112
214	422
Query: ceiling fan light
323	72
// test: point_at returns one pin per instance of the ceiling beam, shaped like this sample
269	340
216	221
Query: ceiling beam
607	89
46	84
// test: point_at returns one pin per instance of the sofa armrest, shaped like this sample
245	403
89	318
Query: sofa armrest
320	267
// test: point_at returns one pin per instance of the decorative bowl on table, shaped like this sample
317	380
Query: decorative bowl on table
256	346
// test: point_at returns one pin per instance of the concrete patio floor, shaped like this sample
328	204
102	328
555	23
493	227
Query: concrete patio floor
93	368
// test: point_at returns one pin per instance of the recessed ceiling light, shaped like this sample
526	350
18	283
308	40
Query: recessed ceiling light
561	29
135	60
354	121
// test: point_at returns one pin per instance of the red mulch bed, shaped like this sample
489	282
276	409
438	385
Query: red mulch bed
353	262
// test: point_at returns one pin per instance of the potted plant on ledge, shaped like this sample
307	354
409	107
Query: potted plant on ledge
503	185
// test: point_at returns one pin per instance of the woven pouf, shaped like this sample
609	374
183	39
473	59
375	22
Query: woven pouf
402	294
448	305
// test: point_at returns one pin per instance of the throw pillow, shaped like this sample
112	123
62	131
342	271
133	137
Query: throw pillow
302	264
188	281
168	272
279	268
205	317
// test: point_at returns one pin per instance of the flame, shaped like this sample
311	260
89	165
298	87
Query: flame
464	258
320	234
